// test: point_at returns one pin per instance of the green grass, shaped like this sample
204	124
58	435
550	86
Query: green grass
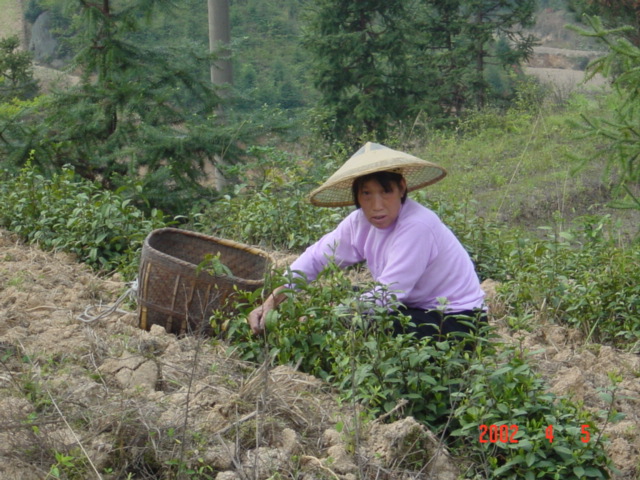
10	20
522	169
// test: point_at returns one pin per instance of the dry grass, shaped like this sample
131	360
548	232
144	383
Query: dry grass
11	19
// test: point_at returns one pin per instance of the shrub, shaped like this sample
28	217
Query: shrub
99	226
540	435
452	389
580	278
270	208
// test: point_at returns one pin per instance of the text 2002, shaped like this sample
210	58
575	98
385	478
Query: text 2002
498	433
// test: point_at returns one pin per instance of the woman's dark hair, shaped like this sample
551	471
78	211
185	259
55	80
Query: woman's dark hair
384	178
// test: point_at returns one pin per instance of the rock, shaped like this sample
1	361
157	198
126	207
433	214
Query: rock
339	460
228	475
262	462
331	437
289	440
132	371
409	444
220	457
42	43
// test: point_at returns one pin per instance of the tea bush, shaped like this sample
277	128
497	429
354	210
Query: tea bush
283	221
546	436
269	208
327	330
65	213
580	278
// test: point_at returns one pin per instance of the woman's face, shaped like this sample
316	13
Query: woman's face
381	208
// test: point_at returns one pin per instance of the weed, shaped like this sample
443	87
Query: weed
69	466
17	280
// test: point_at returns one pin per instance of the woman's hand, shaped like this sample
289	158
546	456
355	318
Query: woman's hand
257	317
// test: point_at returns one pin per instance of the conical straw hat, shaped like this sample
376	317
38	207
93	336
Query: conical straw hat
371	158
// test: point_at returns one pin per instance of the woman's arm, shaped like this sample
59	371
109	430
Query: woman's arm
337	244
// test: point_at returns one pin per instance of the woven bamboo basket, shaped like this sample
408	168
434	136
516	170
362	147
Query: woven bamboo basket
174	294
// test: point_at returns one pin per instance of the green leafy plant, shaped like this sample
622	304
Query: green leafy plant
69	466
270	209
517	430
67	213
213	265
578	277
330	331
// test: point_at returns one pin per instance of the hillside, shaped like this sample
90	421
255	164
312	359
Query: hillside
11	20
79	393
109	391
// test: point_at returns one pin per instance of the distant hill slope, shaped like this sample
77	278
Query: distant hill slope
11	19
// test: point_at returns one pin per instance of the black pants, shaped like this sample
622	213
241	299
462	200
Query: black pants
437	324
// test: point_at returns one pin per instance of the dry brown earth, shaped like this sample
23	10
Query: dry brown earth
108	389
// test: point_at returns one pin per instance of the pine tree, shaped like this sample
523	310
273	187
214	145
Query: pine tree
380	64
487	21
16	71
360	66
614	13
139	113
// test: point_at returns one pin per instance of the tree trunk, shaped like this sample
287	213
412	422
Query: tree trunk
221	74
219	38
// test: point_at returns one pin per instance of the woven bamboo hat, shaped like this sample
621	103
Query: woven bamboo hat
371	158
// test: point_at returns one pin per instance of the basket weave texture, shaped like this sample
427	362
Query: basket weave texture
173	294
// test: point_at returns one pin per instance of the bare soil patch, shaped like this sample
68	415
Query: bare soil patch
108	390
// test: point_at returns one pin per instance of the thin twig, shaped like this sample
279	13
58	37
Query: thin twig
86	454
318	463
248	416
401	403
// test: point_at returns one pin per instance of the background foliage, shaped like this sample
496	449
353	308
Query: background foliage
102	228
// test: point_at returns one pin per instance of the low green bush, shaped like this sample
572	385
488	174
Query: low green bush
66	213
269	208
580	278
278	222
513	428
326	330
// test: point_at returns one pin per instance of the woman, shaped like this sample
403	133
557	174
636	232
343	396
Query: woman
406	246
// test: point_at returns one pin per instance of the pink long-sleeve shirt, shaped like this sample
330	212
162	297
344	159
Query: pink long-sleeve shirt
417	257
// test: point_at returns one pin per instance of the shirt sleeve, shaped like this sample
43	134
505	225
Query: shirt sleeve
339	245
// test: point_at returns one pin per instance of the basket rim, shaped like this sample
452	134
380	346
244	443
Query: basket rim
223	241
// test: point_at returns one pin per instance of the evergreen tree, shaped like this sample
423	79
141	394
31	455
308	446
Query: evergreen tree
445	54
618	131
360	65
380	63
480	24
16	71
137	109
614	13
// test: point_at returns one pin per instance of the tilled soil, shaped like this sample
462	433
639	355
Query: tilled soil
96	390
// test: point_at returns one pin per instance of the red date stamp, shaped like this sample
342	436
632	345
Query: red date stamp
507	433
498	433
